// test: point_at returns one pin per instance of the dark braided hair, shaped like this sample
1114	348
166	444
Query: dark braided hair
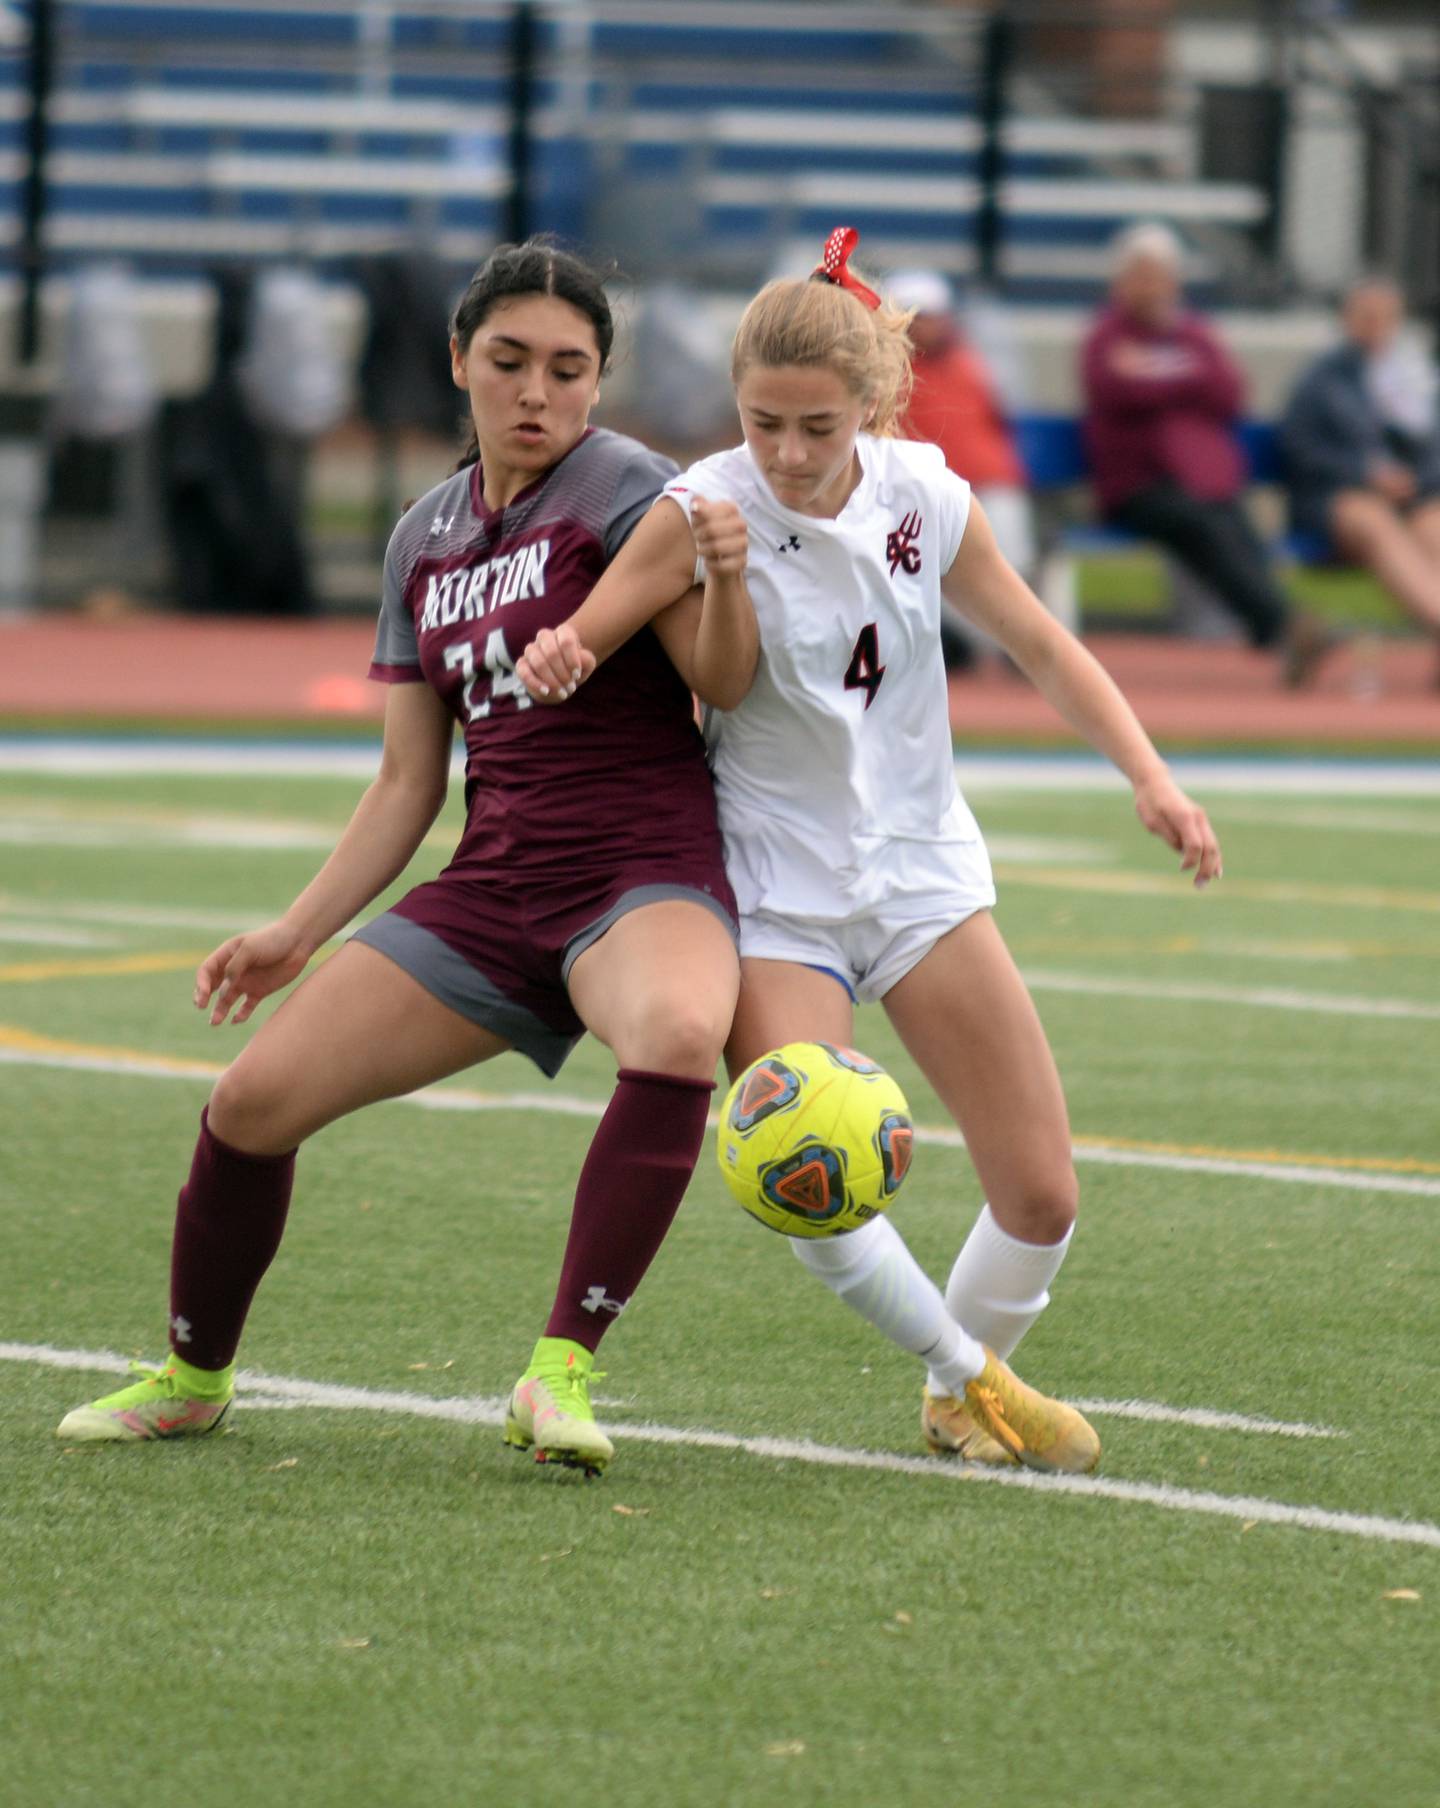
538	267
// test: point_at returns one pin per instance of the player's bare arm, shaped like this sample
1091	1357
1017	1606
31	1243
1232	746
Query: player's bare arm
654	568
709	634
390	821
724	638
987	589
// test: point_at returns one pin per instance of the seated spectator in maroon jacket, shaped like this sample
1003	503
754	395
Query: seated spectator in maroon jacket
1163	397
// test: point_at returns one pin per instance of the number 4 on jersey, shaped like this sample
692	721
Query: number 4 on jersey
865	670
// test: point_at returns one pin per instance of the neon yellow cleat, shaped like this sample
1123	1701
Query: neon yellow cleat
1039	1432
550	1412
946	1426
176	1401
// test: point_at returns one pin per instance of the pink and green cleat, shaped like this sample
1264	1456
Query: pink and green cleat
176	1401
550	1412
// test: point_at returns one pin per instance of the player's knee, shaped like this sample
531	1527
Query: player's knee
1043	1207
252	1110
676	1036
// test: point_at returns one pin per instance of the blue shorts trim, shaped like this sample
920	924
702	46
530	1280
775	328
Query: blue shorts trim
837	976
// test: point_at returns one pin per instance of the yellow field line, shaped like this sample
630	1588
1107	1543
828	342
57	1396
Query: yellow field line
171	960
27	1042
1369	1164
1270	891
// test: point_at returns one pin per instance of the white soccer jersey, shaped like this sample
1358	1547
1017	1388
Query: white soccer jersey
835	776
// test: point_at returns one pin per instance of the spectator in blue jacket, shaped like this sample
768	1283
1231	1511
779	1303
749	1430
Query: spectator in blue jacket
1361	439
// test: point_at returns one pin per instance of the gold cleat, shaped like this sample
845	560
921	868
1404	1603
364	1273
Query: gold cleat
1039	1432
946	1426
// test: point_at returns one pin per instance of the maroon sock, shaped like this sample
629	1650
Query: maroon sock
228	1225
634	1178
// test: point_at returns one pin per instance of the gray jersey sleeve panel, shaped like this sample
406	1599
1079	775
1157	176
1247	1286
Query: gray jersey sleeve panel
435	514
395	642
645	474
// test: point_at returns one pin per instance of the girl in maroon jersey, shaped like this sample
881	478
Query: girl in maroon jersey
588	890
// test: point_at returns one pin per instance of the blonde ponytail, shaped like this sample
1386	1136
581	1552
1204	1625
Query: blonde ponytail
817	323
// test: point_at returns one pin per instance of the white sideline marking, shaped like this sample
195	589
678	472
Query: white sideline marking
257	837
146	916
559	1104
1063	850
1319	816
48	935
1152	1411
1274	998
97	757
277	1391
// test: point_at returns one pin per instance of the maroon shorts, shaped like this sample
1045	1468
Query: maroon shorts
501	955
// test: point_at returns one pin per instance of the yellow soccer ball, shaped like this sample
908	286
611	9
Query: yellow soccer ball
814	1139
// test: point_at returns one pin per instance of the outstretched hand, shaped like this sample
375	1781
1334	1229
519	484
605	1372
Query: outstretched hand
1181	824
247	969
555	664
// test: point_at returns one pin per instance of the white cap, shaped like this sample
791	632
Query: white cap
926	291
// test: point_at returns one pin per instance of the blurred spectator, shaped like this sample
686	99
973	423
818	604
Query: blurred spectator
1162	401
102	449
1361	438
233	492
404	377
956	405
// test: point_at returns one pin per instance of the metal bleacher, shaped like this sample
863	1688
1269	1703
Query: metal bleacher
714	136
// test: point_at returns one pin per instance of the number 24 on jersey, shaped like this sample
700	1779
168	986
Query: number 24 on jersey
499	665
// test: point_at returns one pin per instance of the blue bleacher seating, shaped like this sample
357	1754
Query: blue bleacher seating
1052	449
767	123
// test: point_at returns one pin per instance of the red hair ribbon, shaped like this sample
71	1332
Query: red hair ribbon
834	266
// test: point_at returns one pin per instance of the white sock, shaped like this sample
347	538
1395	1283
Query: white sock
999	1285
873	1272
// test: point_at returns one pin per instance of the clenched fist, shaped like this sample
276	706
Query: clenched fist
721	536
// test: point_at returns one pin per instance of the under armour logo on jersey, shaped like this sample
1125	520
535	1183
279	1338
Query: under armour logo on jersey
181	1327
442	524
597	1300
900	545
792	544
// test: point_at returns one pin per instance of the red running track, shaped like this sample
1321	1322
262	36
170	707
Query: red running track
213	674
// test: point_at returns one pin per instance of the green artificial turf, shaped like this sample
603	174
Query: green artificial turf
377	1608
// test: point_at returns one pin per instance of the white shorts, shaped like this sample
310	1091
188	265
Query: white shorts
873	950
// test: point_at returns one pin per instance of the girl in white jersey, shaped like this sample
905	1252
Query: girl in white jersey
859	870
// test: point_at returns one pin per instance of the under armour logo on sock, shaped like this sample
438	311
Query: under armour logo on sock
597	1300
181	1328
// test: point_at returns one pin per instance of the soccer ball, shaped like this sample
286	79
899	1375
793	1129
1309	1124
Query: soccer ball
814	1139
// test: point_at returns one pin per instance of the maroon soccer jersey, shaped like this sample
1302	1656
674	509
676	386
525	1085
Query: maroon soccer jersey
615	775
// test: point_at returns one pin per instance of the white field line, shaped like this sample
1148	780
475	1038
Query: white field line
253	837
236	921
1205	1418
98	757
151	916
1249	1509
1272	998
1367	821
1062	850
50	935
559	1104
